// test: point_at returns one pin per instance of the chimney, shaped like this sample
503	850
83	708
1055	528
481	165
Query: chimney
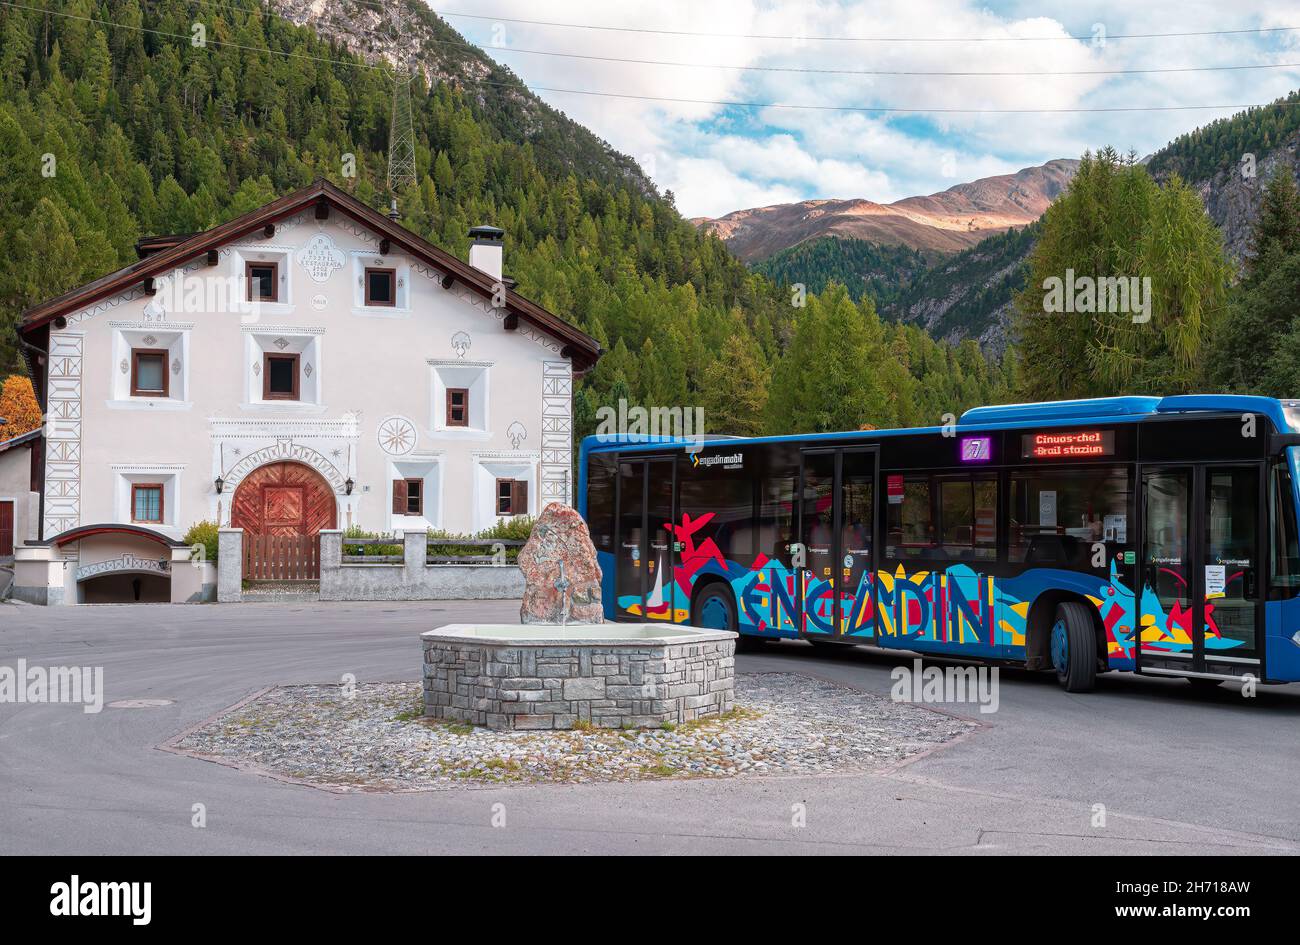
486	247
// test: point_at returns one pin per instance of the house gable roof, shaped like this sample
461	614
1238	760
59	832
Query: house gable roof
580	347
22	439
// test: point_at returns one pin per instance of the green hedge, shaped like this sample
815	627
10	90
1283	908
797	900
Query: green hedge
204	533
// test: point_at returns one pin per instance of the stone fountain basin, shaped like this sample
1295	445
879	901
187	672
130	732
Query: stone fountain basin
614	675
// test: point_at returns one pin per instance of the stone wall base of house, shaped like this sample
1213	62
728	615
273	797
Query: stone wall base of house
609	675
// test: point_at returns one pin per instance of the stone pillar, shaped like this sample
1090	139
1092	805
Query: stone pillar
230	565
415	550
331	560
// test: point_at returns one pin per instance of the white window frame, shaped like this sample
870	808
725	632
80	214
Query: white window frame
473	376
168	475
305	341
282	256
174	337
427	466
363	260
503	464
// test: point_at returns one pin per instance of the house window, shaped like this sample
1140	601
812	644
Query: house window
512	497
457	407
381	286
280	377
263	281
408	497
149	372
147	503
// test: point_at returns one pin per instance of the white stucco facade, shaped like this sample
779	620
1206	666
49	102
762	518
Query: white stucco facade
371	401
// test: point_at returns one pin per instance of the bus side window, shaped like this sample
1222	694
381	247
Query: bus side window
910	527
1058	516
600	500
776	518
1284	545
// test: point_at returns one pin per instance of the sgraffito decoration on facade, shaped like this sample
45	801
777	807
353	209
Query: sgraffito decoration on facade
460	343
319	257
285	450
63	433
397	436
126	562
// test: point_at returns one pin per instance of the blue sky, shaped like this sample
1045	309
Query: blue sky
718	158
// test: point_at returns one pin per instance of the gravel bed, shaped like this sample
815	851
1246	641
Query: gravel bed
785	723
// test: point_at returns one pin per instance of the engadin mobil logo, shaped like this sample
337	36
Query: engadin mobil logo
102	899
726	461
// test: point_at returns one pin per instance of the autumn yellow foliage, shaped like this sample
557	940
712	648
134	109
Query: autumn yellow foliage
18	406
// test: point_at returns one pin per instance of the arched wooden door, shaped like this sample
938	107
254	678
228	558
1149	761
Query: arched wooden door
283	499
282	507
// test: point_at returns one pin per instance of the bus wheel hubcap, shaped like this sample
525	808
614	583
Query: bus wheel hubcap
714	615
1060	647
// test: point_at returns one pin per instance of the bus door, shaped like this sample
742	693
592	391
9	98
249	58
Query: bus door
645	561
837	530
1201	588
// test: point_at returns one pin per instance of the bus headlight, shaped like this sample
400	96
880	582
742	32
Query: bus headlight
1295	638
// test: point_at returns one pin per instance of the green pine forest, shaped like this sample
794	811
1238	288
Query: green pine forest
153	135
861	266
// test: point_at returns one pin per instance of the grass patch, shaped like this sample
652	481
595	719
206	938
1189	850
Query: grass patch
737	714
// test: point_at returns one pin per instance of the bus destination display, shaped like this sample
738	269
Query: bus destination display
1067	444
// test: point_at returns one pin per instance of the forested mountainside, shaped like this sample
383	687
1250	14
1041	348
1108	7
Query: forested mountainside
968	295
152	134
864	268
1220	145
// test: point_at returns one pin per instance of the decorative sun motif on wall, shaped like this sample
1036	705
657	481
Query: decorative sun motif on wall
397	436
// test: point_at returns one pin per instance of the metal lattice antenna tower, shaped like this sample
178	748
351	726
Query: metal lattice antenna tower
401	129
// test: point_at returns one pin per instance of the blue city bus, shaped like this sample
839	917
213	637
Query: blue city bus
1142	534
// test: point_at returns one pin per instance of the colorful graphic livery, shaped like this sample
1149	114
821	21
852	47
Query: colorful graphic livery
1154	535
955	610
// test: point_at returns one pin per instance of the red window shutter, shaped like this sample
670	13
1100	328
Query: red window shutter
399	496
519	497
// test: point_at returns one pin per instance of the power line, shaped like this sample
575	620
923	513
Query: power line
885	72
899	109
867	109
864	39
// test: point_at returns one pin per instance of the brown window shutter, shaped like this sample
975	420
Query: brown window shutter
399	496
519	497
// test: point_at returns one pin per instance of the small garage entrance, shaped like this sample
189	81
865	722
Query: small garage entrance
126	588
117	564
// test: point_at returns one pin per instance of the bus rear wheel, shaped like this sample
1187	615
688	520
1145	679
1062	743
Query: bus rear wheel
1073	646
716	610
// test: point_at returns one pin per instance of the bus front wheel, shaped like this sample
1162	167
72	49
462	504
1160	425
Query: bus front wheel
715	609
1073	646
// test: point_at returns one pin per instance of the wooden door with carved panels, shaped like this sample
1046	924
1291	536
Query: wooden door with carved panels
283	499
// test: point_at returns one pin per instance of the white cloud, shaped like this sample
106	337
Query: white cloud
717	159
